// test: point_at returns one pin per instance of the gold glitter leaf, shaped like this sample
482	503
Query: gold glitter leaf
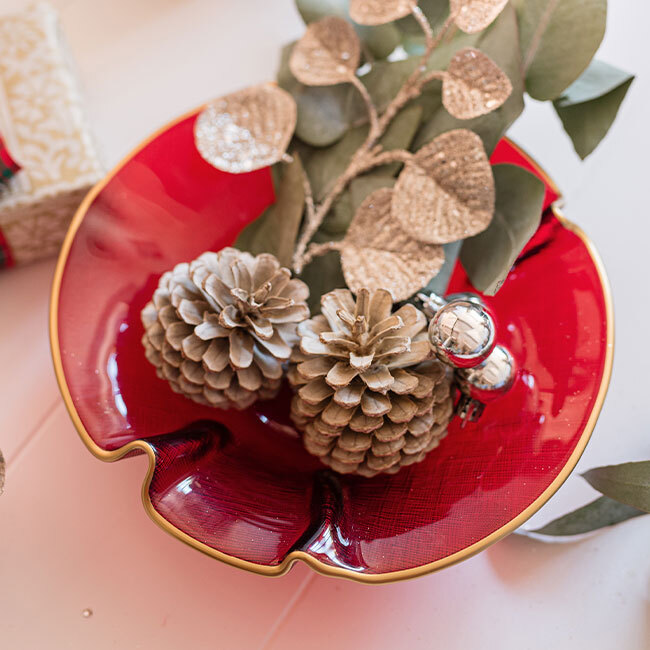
474	85
378	254
327	54
475	15
379	12
446	192
246	130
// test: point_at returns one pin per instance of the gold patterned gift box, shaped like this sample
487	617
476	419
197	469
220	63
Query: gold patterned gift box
43	128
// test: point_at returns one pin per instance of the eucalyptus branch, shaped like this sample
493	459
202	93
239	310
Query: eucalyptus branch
316	250
370	154
386	157
413	85
372	110
316	217
376	158
430	76
309	195
446	26
418	14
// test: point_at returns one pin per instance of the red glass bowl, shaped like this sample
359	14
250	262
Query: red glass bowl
239	486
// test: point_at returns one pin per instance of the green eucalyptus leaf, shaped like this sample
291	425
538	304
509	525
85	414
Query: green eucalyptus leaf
589	106
322	275
276	230
385	79
327	164
439	283
597	80
324	112
303	149
312	10
628	483
414	45
598	514
499	43
489	256
558	40
378	41
362	187
400	134
339	217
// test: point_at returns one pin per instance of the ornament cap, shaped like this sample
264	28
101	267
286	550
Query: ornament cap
431	303
467	296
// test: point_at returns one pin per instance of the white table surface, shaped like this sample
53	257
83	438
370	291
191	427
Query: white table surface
73	533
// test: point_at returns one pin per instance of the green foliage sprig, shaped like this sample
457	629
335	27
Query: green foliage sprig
544	47
626	495
409	98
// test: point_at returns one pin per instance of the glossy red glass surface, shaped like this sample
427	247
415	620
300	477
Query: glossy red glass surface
241	483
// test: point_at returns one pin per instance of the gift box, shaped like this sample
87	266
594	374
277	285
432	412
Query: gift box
49	156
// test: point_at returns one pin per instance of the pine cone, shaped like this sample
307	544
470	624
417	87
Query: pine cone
218	329
369	398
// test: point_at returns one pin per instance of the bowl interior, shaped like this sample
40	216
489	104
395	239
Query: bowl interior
239	484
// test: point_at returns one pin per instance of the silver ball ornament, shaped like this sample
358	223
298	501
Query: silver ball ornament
485	383
462	333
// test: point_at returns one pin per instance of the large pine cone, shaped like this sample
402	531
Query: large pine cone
218	329
369	398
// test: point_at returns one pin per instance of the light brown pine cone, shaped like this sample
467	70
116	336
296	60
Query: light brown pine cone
369	398
219	328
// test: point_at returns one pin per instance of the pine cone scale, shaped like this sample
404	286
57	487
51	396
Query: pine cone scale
269	366
378	379
194	348
276	346
217	356
192	311
365	423
349	396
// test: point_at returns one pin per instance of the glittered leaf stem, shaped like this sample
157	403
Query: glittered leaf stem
315	216
370	154
372	111
413	86
309	196
316	250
